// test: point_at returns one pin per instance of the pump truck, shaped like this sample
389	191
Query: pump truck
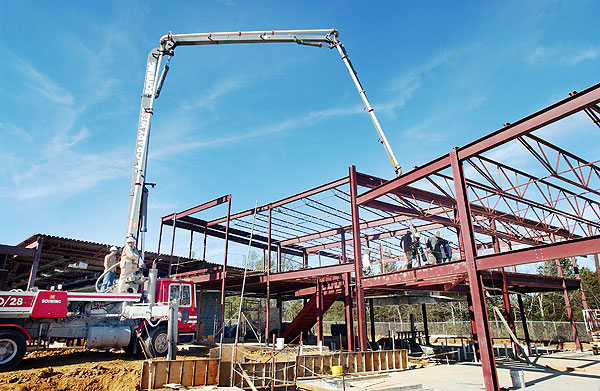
131	320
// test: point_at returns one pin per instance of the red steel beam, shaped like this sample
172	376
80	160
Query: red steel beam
310	273
284	201
557	111
422	273
338	231
427	196
199	208
547	252
408	178
336	288
379	235
446	222
544	117
218	232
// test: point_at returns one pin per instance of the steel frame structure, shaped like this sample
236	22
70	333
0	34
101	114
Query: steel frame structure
500	217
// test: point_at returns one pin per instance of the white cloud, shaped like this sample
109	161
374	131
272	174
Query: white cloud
540	54
585	54
293	123
14	130
39	82
67	174
161	206
411	81
221	88
57	167
562	55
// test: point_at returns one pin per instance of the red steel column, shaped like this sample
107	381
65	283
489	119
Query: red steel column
224	272
505	295
348	310
360	294
159	237
509	315
488	364
203	246
319	303
278	258
268	280
473	327
461	246
172	243
343	241
348	299
569	309
280	314
524	322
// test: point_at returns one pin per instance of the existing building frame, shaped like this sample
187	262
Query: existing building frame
493	207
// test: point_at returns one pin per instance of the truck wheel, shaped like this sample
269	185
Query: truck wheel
12	349
158	342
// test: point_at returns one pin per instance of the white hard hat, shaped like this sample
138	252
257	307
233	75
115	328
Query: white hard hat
130	239
114	248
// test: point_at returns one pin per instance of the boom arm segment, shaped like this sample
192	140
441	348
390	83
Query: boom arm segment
138	179
153	84
361	92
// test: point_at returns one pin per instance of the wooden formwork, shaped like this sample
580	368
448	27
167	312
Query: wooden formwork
352	362
198	372
283	374
256	376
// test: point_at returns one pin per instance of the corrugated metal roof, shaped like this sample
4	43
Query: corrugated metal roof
58	253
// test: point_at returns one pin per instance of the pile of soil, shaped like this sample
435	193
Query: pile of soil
74	370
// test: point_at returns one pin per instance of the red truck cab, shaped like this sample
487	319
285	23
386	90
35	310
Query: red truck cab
169	289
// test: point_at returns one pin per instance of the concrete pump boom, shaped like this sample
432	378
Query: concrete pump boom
136	223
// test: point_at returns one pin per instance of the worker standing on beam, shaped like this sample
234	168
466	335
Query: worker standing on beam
110	260
406	243
128	264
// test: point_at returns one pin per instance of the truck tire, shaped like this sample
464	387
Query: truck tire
12	349
157	342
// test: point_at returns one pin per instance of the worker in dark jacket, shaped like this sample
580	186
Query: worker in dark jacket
437	245
406	242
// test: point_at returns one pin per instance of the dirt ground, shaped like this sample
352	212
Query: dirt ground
75	370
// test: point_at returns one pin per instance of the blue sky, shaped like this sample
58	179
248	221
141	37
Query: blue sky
259	121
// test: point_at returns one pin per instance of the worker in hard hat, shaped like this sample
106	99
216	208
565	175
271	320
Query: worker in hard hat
110	260
128	264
